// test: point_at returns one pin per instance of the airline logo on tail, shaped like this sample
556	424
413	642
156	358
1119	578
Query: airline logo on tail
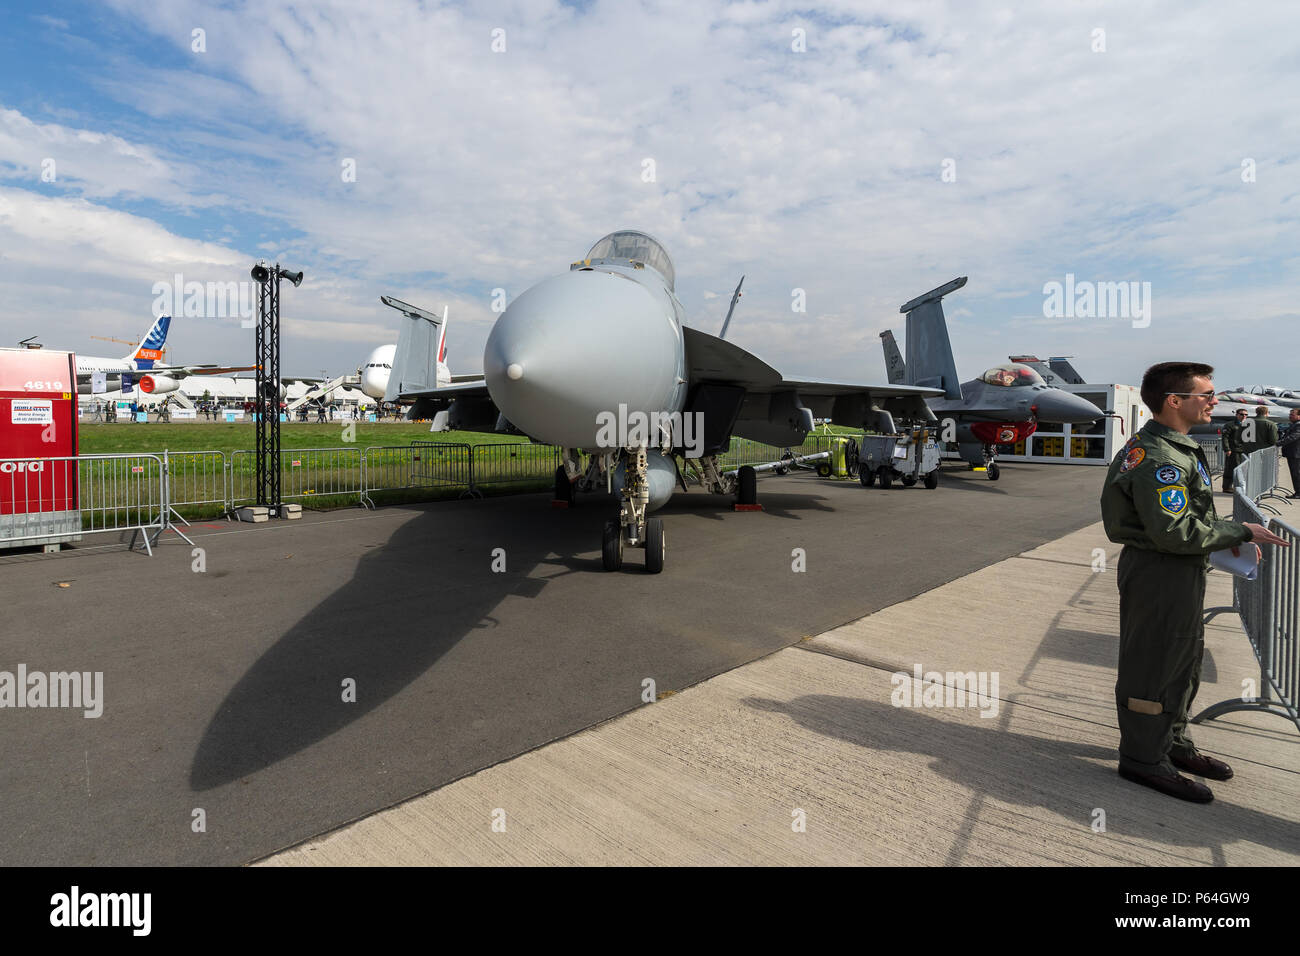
150	349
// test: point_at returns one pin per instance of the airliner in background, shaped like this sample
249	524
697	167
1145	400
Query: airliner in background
142	364
379	366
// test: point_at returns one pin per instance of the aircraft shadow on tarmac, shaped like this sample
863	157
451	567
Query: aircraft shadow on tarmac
411	600
1025	766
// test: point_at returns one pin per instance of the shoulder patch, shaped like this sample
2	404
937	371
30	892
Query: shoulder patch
1132	459
1168	475
1205	475
1173	499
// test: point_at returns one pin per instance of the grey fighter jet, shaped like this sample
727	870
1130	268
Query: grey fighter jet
598	361
1001	407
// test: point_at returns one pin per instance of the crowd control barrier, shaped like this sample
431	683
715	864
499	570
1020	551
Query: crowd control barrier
1270	615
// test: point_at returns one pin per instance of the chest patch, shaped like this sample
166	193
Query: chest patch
1132	459
1168	475
1173	499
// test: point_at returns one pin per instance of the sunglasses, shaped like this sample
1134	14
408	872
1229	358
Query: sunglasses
1205	395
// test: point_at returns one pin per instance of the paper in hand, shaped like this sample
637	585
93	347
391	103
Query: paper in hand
1243	565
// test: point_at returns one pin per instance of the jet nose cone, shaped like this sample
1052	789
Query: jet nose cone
1065	407
577	346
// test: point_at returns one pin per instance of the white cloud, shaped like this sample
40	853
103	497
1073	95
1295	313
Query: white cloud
819	170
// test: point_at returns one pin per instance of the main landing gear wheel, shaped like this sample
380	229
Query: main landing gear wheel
932	479
909	481
747	486
563	487
866	476
886	478
654	545
994	471
612	546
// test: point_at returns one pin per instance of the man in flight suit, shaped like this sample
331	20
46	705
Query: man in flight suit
1290	445
1158	502
1262	433
1232	448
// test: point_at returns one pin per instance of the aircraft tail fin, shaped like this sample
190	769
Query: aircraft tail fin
929	351
1062	367
150	348
442	337
420	344
735	297
894	364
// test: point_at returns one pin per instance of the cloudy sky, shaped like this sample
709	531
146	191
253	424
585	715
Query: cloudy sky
860	152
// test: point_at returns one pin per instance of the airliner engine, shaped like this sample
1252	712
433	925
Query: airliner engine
158	384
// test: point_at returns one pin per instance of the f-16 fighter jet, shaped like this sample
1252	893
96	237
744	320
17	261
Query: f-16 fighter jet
1001	407
597	360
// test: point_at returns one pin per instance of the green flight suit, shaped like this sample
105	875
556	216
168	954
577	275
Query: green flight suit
1265	436
1158	502
1231	440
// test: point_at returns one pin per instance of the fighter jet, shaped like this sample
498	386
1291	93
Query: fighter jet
1001	407
599	361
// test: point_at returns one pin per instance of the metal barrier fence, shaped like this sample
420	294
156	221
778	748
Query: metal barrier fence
1213	448
197	478
58	499
417	465
52	500
512	464
1270	614
305	473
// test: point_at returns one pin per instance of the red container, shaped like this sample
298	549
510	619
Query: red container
38	421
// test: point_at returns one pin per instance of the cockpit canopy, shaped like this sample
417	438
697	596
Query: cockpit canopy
630	244
1012	374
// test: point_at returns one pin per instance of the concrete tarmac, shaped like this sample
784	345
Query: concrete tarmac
815	756
228	732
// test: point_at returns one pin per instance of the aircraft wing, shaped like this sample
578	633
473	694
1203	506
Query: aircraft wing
474	389
171	371
814	388
181	371
779	410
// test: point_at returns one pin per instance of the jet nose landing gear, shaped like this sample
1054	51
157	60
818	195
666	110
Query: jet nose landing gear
634	528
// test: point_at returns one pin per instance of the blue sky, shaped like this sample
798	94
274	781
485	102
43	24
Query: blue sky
819	169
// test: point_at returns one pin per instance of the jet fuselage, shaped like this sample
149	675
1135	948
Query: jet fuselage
603	339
